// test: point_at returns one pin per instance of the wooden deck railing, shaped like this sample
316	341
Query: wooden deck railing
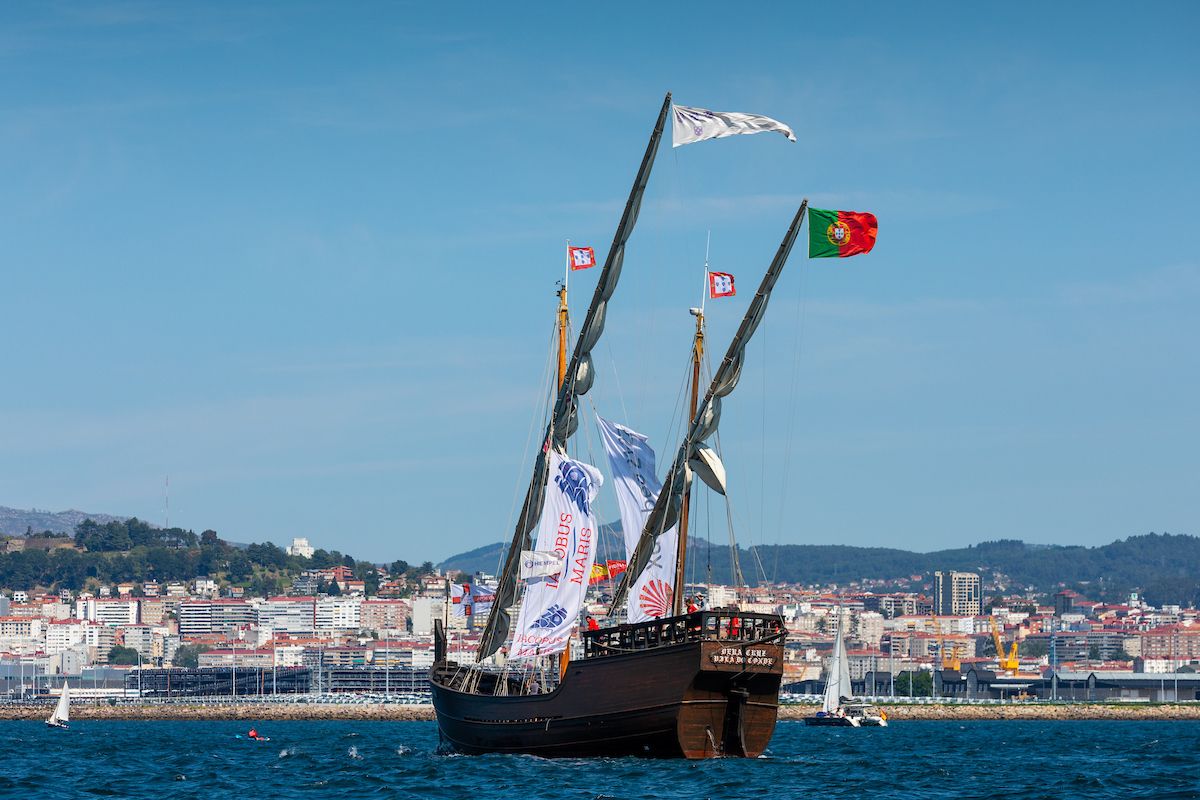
714	626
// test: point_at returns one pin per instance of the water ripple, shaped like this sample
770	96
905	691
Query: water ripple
1024	760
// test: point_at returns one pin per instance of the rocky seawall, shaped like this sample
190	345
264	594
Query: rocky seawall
424	713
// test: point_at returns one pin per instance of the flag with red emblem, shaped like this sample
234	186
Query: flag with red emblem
581	257
720	284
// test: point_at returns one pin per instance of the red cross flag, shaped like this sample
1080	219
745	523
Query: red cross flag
581	257
720	284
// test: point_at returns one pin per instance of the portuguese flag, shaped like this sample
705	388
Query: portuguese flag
837	234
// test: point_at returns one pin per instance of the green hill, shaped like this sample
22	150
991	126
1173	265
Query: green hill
1164	567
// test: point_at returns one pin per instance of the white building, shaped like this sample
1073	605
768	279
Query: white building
218	615
868	628
339	613
111	612
424	611
295	616
300	547
64	634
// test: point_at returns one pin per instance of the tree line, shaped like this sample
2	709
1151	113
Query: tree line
135	551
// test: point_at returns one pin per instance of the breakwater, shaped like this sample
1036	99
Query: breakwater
424	713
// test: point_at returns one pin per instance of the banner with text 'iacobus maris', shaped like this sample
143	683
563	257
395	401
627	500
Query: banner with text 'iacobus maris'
552	604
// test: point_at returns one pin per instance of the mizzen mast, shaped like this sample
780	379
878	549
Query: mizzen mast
563	323
681	549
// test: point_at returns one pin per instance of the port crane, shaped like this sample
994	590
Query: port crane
1009	663
953	659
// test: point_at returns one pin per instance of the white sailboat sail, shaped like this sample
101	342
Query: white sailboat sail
837	681
62	711
632	461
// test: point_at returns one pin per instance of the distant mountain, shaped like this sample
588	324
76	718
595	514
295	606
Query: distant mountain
489	558
1164	567
15	521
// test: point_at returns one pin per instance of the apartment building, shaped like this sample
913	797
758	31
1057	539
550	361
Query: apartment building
957	593
339	613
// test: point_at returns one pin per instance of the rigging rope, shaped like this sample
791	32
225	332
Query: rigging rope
542	402
800	323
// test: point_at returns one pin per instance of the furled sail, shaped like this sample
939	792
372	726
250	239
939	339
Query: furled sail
577	381
694	454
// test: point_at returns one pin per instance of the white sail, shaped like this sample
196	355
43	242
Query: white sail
837	679
62	711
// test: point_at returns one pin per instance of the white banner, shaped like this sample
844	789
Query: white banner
539	564
697	124
550	610
637	487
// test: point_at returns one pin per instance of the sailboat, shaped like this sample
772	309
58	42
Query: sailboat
693	684
60	717
837	706
837	687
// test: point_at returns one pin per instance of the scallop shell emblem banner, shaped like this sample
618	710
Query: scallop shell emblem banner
632	461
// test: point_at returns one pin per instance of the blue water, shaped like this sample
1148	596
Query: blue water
352	760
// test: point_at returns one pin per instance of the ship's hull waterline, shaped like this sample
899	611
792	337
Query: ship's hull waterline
692	699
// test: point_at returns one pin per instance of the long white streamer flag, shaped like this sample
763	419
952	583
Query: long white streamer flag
697	124
552	604
632	461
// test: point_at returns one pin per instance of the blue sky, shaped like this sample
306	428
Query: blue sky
301	258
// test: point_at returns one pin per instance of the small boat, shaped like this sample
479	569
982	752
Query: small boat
837	688
867	715
61	716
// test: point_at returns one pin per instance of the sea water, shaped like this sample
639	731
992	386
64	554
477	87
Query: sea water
1056	760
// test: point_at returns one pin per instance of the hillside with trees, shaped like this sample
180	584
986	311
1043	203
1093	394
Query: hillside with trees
135	551
1164	567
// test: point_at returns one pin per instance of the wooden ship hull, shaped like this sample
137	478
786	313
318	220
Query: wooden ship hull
678	687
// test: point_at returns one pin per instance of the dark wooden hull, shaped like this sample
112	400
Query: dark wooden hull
697	699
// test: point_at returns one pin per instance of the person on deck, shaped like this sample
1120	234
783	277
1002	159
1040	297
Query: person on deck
592	625
692	608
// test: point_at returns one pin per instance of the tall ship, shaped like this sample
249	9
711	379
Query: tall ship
672	680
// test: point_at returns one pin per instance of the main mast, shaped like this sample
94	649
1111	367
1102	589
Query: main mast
563	323
576	380
681	550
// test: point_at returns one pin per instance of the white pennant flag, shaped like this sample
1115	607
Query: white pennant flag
632	461
697	124
550	610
